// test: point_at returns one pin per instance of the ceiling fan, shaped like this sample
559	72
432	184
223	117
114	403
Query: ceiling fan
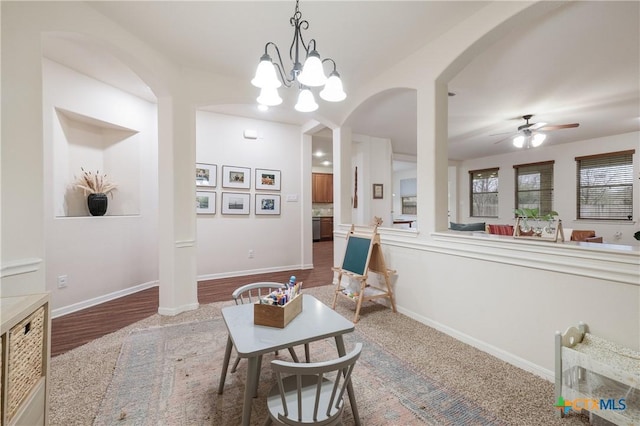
528	134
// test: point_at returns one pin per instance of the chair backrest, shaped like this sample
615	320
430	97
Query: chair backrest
311	393
582	234
500	229
250	293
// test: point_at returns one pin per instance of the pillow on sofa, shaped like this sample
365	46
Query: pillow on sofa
479	226
501	229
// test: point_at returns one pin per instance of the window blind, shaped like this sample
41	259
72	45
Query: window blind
484	192
534	186
605	186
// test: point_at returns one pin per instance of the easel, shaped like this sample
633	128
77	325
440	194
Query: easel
363	254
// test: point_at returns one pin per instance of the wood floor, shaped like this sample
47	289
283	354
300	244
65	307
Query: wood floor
78	328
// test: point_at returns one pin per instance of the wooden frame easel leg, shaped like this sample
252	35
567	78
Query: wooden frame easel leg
392	299
337	289
363	285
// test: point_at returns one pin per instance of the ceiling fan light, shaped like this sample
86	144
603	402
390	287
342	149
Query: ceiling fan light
537	140
269	96
333	91
266	74
518	141
306	102
312	74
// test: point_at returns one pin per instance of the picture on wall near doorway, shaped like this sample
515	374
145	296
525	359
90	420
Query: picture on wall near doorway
268	204
206	174
236	177
235	203
377	191
268	179
205	202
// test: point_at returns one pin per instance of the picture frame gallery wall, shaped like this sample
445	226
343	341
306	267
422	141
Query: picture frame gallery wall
238	180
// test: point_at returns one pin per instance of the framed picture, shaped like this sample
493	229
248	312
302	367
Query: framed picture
236	177
205	202
206	174
268	179
235	203
377	190
268	204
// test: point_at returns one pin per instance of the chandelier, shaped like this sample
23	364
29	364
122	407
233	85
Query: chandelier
271	75
529	139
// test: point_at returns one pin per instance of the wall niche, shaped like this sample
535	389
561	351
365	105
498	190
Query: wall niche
83	142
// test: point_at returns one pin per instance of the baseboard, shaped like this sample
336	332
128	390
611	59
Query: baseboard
234	274
178	310
485	347
65	310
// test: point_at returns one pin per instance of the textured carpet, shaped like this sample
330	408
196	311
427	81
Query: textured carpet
429	366
169	376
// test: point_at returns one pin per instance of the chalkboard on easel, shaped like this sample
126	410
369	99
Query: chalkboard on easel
363	255
357	255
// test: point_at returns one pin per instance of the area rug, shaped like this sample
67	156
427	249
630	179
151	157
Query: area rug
169	375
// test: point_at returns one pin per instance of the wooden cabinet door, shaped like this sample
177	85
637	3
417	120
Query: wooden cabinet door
322	188
326	228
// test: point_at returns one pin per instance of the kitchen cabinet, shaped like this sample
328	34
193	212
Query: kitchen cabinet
326	228
322	187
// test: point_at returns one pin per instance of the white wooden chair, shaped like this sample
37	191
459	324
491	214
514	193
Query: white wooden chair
310	394
251	293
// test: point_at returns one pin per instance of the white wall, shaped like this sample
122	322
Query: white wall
224	241
99	255
508	297
564	192
372	156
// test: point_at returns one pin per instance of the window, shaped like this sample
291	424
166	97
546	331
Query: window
408	194
534	186
605	186
484	192
409	205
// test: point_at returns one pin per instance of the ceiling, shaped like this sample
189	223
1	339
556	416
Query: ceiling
578	64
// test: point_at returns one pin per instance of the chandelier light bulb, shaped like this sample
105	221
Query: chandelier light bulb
269	96
518	141
312	74
538	138
266	74
333	91
306	102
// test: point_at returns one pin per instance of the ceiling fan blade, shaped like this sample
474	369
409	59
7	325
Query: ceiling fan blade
536	126
502	140
499	134
560	126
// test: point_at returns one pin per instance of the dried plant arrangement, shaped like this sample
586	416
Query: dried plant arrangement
95	183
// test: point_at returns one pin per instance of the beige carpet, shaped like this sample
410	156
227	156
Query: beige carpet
505	394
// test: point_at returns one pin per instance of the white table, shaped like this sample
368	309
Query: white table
316	322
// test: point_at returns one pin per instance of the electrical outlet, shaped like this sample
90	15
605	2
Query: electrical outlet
62	281
251	254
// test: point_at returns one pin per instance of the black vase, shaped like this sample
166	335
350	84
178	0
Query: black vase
97	204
